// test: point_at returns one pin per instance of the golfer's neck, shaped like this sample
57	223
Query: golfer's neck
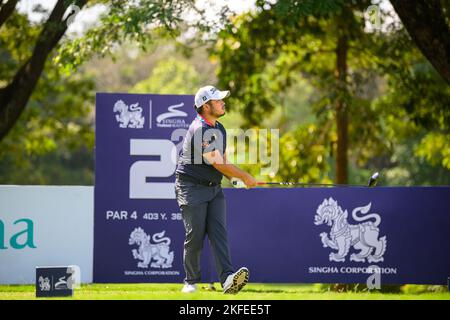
210	119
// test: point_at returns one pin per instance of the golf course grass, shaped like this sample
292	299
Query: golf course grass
253	291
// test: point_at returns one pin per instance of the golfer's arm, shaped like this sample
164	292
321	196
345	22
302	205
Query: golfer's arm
227	169
226	161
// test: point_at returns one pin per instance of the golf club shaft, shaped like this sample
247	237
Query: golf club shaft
304	184
372	182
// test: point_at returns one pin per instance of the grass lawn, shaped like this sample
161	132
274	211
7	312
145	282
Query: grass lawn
253	291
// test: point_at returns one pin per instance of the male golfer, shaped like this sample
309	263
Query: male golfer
201	166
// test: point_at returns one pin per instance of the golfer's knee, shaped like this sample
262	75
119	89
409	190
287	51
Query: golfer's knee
194	241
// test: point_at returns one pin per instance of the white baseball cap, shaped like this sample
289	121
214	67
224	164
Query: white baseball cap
206	93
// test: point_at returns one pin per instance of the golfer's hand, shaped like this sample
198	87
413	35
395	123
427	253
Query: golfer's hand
249	181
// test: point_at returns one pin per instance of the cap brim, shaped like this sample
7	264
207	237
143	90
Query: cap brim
224	94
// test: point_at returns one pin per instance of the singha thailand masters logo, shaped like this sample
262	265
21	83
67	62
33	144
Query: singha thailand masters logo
173	118
129	117
158	251
363	237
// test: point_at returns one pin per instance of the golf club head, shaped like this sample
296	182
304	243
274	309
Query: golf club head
237	183
373	180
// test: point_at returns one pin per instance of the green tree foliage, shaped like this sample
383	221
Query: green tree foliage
170	76
389	84
412	113
124	21
304	157
53	140
279	43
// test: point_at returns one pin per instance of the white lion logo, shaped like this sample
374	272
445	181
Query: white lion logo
44	283
148	251
129	118
363	236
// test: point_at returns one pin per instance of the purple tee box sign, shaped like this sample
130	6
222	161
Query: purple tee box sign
341	235
139	232
291	235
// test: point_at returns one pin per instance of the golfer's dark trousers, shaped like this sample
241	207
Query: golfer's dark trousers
204	213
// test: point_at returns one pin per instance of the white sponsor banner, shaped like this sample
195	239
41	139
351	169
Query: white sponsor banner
45	226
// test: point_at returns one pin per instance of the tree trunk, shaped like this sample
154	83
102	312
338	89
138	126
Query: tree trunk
14	97
6	10
425	22
341	110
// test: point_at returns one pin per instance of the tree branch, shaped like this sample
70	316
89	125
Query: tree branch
425	22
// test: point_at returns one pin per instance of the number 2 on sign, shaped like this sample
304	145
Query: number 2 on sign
142	170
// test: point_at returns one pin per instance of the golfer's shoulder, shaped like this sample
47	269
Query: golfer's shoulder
221	127
195	126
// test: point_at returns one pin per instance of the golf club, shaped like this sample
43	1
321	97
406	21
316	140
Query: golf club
372	183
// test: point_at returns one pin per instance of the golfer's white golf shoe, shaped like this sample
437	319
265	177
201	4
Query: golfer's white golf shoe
236	281
189	288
